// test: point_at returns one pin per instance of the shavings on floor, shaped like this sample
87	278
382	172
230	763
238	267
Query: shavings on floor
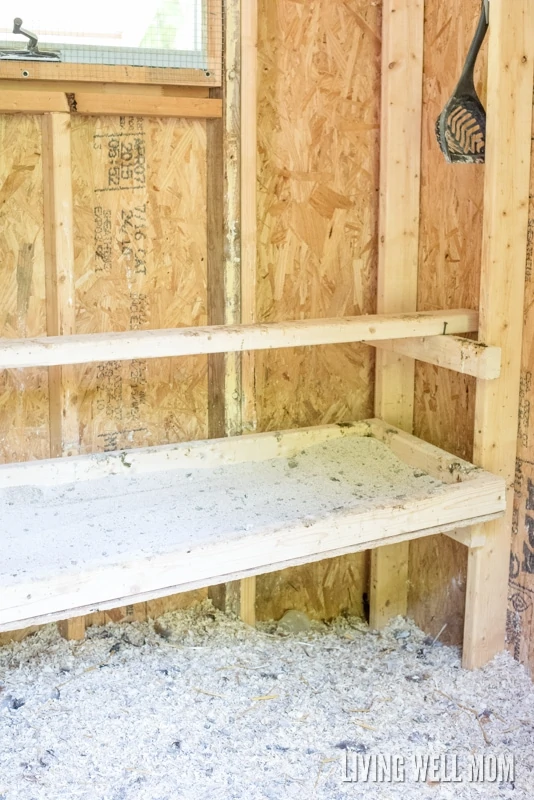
198	706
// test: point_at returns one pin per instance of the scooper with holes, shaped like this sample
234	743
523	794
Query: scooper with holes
461	126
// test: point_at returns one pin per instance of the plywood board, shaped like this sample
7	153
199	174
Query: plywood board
23	394
140	238
449	270
140	260
318	154
325	589
317	206
520	627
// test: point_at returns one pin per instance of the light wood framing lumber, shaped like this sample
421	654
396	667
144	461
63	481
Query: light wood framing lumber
249	169
224	369
73	87
94	104
400	171
451	352
13	101
60	294
466	493
244	593
232	210
87	348
106	73
216	206
506	200
72	629
59	268
143	106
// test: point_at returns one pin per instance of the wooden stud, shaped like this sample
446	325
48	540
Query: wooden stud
215	270
245	590
249	79
400	156
225	369
506	200
224	265
232	210
60	294
72	629
59	267
96	347
389	578
237	598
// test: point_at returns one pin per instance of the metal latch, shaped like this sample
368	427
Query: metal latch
32	52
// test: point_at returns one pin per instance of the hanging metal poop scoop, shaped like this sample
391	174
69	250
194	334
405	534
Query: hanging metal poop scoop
32	52
461	126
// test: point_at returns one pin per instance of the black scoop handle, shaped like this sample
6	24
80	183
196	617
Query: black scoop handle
466	84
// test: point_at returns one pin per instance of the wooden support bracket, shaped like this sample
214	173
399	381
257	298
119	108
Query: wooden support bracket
451	352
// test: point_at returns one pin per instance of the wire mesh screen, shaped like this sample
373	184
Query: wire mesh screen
172	34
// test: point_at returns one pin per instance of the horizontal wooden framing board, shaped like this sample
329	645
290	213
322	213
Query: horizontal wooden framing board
94	104
468	494
87	348
451	352
33	70
147	89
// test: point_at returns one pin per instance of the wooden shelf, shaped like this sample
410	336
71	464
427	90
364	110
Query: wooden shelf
103	530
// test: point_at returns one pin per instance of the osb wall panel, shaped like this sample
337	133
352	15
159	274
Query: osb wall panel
140	237
318	118
324	590
140	262
520	627
449	271
23	393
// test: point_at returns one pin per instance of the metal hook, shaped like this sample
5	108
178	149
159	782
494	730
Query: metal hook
486	10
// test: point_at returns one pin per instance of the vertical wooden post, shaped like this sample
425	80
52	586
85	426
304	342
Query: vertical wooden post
506	199
249	168
60	294
400	161
228	394
232	214
249	80
216	217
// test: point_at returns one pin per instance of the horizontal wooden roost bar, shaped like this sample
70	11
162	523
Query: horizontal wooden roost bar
51	351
